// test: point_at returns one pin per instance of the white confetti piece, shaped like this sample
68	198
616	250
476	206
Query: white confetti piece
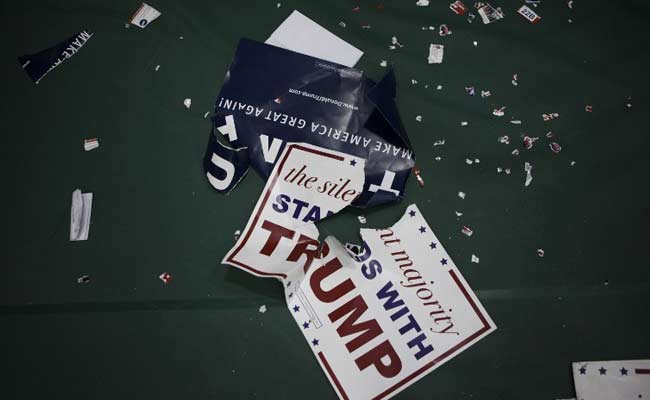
439	87
551	116
436	53
438	158
91	144
507	170
80	212
516	121
458	213
414	82
206	114
505	139
383	63
439	143
485	93
475	43
467	231
499	170
83	279
476	161
555	147
418	118
468	161
529	142
475	259
461	195
572	163
464	123
236	234
362	219
540	252
157	68
444	30
529	177
422	3
342	24
278	5
262	309
166	277
499	112
187	103
515	152
514	79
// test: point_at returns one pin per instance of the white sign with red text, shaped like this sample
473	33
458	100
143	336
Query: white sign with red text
382	320
308	183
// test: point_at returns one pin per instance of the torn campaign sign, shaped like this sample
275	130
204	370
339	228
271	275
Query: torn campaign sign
272	96
144	15
307	184
37	65
607	380
381	321
377	322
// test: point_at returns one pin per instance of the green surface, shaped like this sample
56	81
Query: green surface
126	335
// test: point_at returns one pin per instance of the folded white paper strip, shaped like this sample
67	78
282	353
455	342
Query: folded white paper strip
612	380
144	15
82	204
302	35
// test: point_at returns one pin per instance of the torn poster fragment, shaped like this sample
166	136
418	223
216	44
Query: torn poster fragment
529	14
382	320
490	14
80	211
307	184
320	103
299	33
39	64
606	380
458	7
144	15
436	52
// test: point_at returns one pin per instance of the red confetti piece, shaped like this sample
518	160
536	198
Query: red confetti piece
416	172
588	108
166	277
555	147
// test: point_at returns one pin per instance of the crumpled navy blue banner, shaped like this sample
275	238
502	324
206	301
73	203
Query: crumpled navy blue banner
37	65
272	96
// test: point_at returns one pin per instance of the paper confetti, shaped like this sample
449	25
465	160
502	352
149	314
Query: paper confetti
262	309
458	7
144	15
529	141
91	144
83	279
436	52
362	219
529	178
187	103
166	277
475	259
461	195
467	231
540	252
529	14
422	3
555	147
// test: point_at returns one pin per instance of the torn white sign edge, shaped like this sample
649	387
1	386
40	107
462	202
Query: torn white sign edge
80	210
300	34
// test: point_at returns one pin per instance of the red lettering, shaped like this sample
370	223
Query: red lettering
369	329
336	292
303	247
277	233
376	355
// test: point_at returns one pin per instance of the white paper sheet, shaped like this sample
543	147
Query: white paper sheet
302	35
610	380
80	210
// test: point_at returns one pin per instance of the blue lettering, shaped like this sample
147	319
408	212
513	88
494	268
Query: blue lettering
281	205
374	267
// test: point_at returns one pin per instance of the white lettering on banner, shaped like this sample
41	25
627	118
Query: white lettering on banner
229	129
270	153
229	169
386	184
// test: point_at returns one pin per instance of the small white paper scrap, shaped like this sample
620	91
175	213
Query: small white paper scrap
300	34
422	3
607	380
187	103
91	144
144	15
262	309
436	52
529	178
82	204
